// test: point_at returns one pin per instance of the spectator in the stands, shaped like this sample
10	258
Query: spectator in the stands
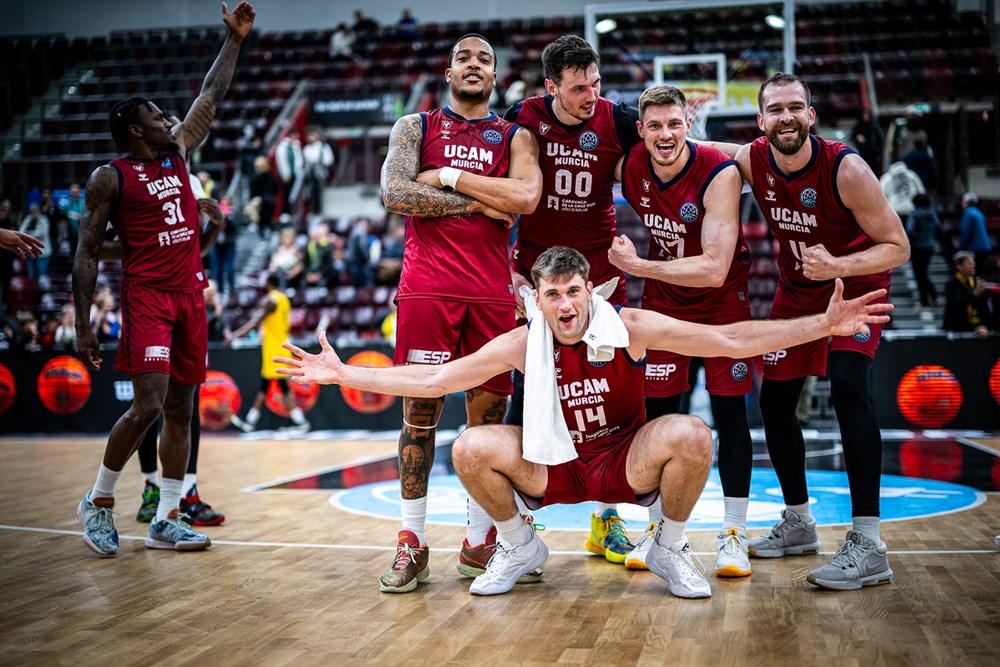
207	184
105	321
317	157
406	26
221	259
248	146
365	28
66	331
264	189
288	158
38	225
923	229
390	264
869	140
966	307
286	262
973	236
342	43
339	272
900	186
73	209
921	162
48	207
26	336
214	313
388	326
363	252
319	256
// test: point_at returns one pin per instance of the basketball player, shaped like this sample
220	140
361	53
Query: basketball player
273	316
23	245
831	220
147	198
621	457
581	138
460	174
688	197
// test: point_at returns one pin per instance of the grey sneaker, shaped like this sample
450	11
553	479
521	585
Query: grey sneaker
98	526
175	534
859	562
791	536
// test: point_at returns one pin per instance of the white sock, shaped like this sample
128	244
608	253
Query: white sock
802	510
867	525
735	513
297	416
514	531
670	532
415	516
104	487
479	524
170	497
151	477
190	479
655	512
253	416
601	508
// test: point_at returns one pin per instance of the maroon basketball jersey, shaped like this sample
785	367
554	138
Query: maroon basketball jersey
460	257
158	223
602	402
673	212
578	174
804	209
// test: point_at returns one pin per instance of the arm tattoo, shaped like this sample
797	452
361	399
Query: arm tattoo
416	446
196	124
400	191
101	190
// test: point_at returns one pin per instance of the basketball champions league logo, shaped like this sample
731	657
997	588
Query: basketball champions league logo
589	140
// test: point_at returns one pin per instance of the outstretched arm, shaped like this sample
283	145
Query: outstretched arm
102	188
719	232
23	245
862	195
518	192
190	133
651	330
401	193
500	355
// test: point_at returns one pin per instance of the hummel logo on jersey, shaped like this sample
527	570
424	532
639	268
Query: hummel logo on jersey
543	128
644	201
143	178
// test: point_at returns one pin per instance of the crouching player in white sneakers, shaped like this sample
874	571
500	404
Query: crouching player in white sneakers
619	456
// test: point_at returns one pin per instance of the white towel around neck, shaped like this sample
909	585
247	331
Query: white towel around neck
547	439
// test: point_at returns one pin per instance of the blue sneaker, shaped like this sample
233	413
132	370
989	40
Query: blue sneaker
173	533
98	526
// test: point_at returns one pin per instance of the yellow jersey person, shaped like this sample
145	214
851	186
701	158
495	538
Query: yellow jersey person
273	316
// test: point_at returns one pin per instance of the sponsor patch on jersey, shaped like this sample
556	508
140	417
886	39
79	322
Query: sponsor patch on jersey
157	353
543	128
808	198
740	371
689	211
588	140
864	335
492	137
433	357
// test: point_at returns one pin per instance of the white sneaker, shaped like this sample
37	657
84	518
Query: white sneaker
636	559
242	425
674	564
509	564
732	559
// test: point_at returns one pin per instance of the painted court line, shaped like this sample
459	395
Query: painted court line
366	547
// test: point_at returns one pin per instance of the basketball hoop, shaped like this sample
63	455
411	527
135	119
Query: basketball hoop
700	102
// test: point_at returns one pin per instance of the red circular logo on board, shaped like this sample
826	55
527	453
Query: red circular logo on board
64	385
305	396
8	389
219	399
365	401
929	396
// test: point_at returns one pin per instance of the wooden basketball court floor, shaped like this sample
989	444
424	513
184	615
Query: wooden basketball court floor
291	580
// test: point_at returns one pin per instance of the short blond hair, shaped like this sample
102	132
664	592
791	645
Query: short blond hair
560	262
661	96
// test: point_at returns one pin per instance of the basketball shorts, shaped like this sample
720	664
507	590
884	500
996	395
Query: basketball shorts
601	270
810	358
599	476
667	372
434	331
163	332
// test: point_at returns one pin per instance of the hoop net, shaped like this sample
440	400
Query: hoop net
700	102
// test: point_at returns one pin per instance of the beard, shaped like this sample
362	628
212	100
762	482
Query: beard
791	145
470	95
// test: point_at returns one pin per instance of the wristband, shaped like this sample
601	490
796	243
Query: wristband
449	176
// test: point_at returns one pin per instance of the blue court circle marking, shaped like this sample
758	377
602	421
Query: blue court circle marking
901	498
